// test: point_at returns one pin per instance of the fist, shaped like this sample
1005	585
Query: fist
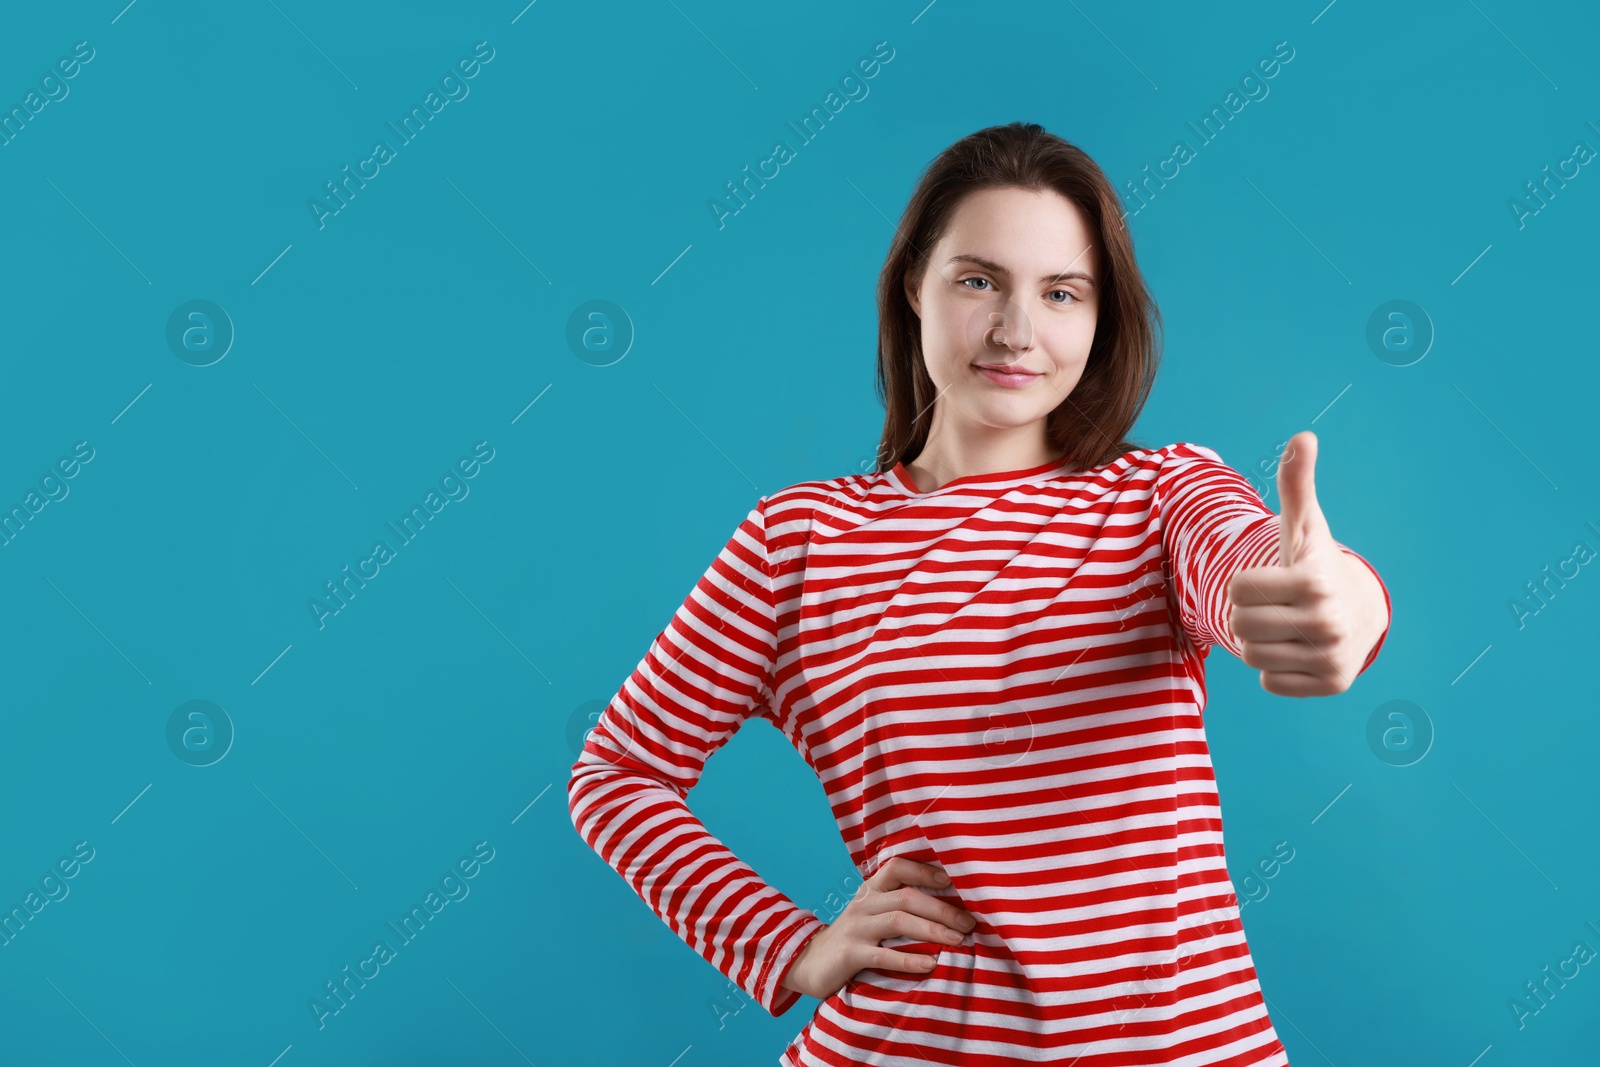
1309	622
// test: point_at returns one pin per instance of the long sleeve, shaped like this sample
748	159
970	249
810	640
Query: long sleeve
702	677
1214	524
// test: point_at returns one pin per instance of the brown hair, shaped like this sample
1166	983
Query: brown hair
1089	427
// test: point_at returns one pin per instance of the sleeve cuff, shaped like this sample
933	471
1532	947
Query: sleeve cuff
771	994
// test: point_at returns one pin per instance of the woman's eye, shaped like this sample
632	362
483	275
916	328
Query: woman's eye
1064	292
985	281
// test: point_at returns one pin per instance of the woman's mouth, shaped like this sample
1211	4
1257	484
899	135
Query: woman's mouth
1001	376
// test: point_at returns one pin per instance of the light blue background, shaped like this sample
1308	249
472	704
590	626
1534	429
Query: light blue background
437	709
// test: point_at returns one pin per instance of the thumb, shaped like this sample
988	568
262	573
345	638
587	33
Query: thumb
1301	523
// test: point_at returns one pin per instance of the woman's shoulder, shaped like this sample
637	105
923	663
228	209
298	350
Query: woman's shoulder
1164	469
1143	460
1173	456
1177	450
822	491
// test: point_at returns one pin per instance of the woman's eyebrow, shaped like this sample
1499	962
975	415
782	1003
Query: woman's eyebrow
989	264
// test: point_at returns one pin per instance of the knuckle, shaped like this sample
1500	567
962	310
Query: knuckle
1318	585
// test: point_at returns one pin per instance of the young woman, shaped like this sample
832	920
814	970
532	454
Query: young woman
991	651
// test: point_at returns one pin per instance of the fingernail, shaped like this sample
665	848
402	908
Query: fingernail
941	876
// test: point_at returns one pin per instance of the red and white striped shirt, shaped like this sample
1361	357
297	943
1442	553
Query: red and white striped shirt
1004	677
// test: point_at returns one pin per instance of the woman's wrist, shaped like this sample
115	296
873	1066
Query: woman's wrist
794	977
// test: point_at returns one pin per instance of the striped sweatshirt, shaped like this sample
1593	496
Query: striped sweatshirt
1004	677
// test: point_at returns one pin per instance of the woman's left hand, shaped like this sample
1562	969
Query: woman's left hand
1308	623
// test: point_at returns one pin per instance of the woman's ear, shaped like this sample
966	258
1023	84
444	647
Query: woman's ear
912	298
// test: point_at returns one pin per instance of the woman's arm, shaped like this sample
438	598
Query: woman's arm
700	680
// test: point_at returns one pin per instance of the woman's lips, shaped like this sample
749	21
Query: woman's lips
1014	381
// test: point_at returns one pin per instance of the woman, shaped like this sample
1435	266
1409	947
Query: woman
991	651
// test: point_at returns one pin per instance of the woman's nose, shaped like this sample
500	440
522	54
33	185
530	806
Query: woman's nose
999	323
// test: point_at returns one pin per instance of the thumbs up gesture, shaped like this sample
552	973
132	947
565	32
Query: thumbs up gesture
1308	623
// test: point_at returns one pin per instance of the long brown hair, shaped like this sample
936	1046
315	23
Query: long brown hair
1090	426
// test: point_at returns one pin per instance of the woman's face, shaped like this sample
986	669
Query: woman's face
1011	283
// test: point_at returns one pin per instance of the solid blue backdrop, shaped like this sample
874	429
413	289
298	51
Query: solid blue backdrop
224	384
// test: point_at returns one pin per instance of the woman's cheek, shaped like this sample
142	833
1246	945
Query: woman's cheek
947	346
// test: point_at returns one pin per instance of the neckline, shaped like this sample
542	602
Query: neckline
902	477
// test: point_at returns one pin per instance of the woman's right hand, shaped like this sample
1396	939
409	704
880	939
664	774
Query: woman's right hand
889	904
